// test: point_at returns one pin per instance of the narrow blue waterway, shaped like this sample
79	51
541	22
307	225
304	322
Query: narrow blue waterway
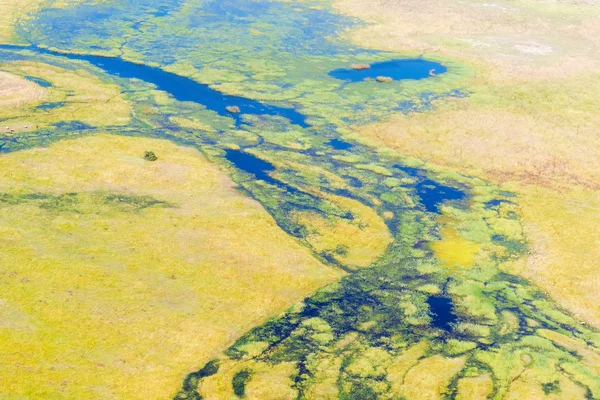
181	88
251	164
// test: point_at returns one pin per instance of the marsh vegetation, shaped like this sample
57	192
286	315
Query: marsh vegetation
427	302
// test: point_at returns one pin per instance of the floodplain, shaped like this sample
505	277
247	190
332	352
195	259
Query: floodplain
362	255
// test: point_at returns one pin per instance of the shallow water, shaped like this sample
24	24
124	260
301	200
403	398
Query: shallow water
50	106
250	164
43	83
181	88
409	68
497	202
339	144
442	312
433	194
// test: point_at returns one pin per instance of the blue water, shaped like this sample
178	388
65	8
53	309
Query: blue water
251	164
181	88
39	81
416	68
186	89
433	194
354	182
262	47
412	171
442	312
49	106
496	203
339	144
430	193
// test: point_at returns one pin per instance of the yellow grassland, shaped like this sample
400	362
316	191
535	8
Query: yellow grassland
401	365
16	91
479	387
363	239
530	122
109	302
80	96
268	382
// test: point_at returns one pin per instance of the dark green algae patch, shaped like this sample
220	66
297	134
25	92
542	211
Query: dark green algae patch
490	318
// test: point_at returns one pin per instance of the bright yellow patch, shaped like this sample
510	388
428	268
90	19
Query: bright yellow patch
102	300
453	250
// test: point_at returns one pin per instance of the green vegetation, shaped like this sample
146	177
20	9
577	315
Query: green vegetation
239	382
530	121
75	95
368	333
150	156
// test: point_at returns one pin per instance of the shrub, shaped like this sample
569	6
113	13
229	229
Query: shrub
150	156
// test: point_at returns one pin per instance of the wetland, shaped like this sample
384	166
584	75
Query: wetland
407	318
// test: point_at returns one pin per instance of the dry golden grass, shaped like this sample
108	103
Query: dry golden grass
507	134
272	383
101	301
563	228
530	122
82	97
516	40
15	90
